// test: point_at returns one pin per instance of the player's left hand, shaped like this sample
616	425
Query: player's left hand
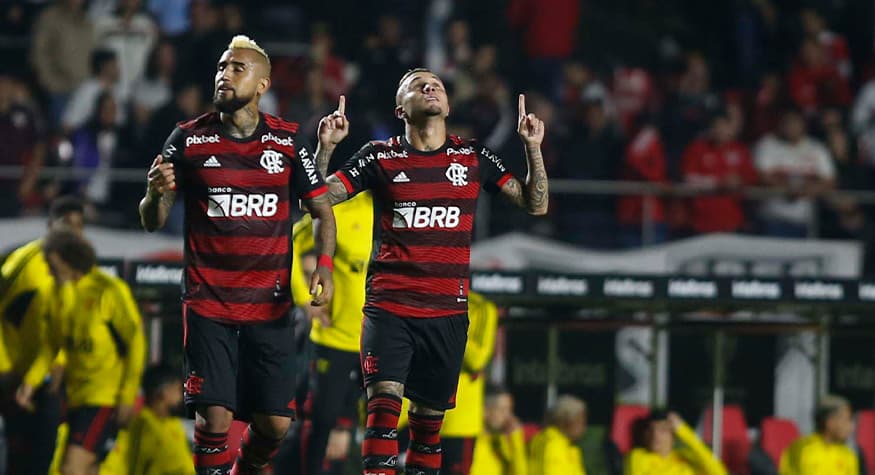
530	128
321	277
123	414
334	128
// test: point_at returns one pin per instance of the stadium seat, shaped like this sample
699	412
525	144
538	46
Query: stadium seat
865	437
625	416
777	434
736	445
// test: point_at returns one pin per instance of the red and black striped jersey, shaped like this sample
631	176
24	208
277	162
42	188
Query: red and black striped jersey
424	205
237	196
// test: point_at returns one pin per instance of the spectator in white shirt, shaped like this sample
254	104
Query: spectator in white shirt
802	167
104	78
131	33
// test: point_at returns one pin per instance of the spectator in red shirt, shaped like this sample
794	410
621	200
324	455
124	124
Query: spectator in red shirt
718	162
644	161
548	29
835	45
815	82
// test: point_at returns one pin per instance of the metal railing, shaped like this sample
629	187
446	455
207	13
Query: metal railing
558	186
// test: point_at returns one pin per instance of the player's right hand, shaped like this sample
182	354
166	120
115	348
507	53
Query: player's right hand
24	397
334	128
161	177
321	313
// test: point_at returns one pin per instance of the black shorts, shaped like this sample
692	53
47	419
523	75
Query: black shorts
424	354
249	369
93	428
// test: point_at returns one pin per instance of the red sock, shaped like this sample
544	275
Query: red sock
211	454
256	452
380	447
424	454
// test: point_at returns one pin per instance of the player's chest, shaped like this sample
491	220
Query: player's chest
420	178
263	167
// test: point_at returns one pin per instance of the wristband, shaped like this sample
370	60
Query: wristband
326	261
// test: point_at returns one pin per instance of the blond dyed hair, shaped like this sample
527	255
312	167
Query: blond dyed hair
245	42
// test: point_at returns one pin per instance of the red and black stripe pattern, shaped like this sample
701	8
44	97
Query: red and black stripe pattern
424	205
256	452
211	454
424	454
380	447
238	194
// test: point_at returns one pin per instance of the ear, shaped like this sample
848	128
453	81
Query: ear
263	85
399	113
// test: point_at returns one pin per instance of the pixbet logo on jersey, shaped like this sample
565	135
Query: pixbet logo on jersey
421	217
235	205
201	139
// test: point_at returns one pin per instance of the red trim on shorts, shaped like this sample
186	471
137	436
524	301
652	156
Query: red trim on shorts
467	454
184	325
95	429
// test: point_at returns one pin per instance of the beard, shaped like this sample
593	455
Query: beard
433	110
231	104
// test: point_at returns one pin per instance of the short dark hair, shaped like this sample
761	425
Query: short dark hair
494	390
99	59
157	376
826	408
64	205
71	248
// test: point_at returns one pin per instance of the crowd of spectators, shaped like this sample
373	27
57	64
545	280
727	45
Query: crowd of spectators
771	94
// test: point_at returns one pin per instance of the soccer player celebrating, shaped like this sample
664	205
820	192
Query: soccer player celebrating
239	171
95	321
425	186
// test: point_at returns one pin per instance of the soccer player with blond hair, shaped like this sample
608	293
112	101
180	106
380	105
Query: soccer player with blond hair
239	172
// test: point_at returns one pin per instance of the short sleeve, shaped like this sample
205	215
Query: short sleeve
306	180
493	173
359	172
825	166
173	152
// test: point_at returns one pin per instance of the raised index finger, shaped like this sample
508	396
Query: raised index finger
341	105
522	105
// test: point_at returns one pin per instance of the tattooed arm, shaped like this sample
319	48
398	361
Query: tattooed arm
533	195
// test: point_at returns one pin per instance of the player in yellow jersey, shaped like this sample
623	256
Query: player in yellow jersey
156	442
464	423
30	434
824	451
335	381
501	447
95	321
554	449
655	452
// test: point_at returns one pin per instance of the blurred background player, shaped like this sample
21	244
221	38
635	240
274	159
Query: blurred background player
826	450
655	450
96	322
415	326
238	170
25	288
156	442
334	385
555	449
464	423
501	446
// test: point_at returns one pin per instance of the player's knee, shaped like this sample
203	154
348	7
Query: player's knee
386	387
422	410
72	467
272	427
215	419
